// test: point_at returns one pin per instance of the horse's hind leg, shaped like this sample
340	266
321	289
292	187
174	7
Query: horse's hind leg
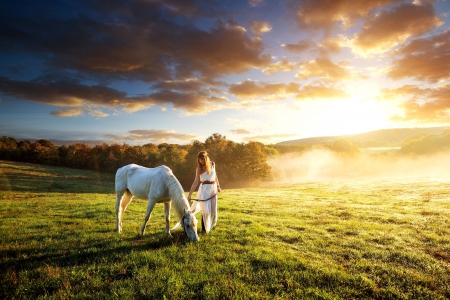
150	206
123	198
167	215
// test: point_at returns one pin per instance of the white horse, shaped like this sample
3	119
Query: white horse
158	185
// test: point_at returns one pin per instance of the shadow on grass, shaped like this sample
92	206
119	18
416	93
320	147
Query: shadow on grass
18	176
96	252
39	269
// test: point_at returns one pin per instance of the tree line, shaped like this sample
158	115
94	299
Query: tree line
425	144
239	164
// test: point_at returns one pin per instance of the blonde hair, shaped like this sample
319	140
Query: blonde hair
204	154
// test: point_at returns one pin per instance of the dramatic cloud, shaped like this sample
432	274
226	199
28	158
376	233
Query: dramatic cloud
188	96
177	58
131	43
275	91
428	57
60	93
431	105
74	112
191	102
68	112
391	28
325	47
325	69
300	47
267	91
332	45
320	92
152	136
281	66
324	14
260	28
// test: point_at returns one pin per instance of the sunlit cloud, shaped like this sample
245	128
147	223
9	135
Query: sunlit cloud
326	69
238	65
282	66
152	135
424	105
428	57
97	113
389	29
324	15
320	92
300	47
68	112
266	91
240	131
260	28
129	51
57	93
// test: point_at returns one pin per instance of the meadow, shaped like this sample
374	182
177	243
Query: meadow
348	239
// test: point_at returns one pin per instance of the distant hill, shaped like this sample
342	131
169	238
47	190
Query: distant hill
383	137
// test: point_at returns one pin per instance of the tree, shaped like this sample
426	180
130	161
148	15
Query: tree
8	148
344	147
427	144
79	155
113	159
171	156
97	157
23	150
44	152
254	164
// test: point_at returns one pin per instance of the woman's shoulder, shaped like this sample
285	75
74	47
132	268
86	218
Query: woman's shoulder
213	164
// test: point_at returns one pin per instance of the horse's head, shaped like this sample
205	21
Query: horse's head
189	223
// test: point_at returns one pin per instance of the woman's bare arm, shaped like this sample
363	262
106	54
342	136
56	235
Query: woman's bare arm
194	184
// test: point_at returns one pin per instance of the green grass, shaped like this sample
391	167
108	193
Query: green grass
372	239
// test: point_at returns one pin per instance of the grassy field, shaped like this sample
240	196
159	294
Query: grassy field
373	239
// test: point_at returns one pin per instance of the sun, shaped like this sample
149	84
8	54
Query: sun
361	112
347	116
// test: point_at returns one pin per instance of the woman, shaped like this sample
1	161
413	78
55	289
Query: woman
208	190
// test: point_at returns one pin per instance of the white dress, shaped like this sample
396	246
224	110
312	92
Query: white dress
208	208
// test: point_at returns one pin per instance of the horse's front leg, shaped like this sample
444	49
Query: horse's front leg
167	215
150	206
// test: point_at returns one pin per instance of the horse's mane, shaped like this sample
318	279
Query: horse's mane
179	201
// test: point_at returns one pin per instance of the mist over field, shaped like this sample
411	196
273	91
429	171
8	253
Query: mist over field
323	165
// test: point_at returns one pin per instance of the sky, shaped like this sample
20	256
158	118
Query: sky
175	71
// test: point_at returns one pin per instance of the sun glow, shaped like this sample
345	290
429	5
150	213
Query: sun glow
349	116
359	113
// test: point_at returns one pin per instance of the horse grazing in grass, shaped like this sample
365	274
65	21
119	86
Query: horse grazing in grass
158	185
